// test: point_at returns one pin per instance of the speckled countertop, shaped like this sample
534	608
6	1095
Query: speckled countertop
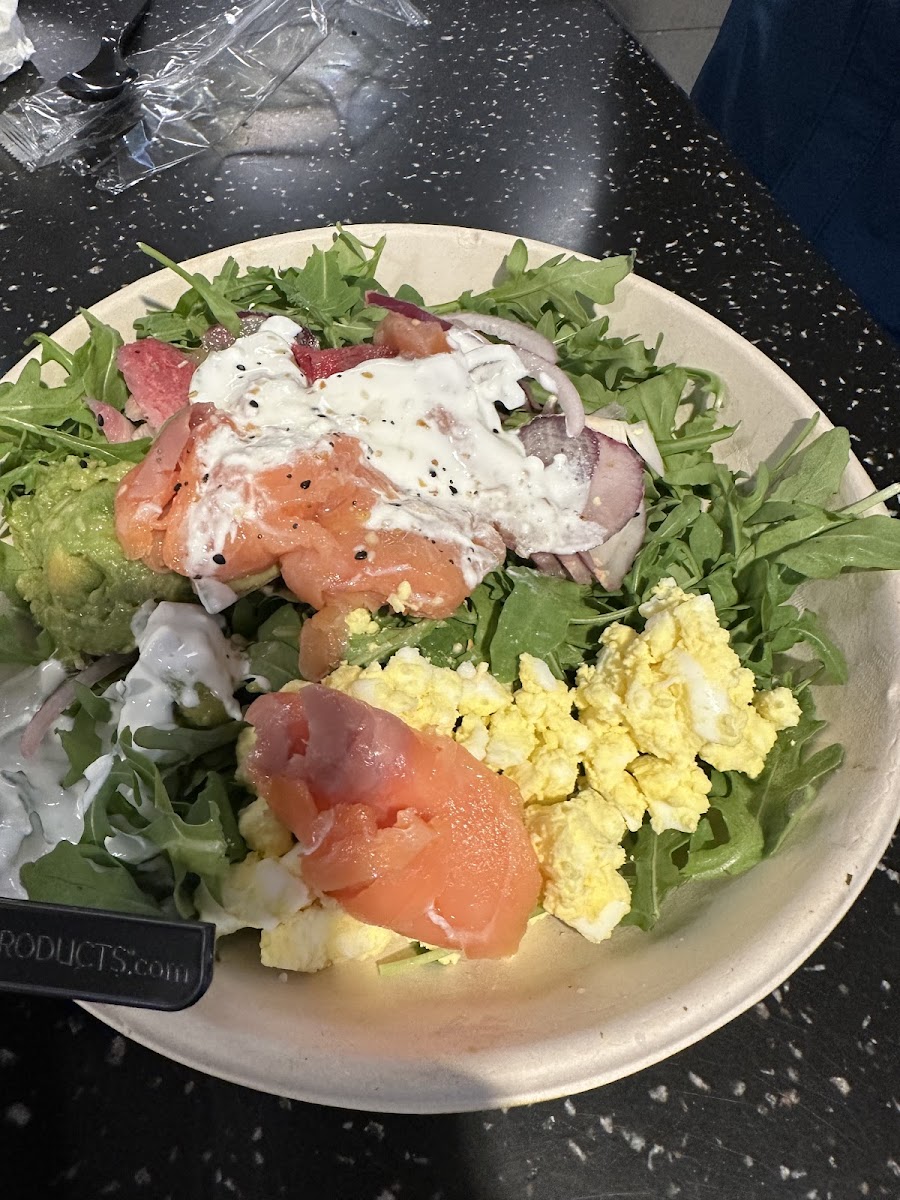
548	120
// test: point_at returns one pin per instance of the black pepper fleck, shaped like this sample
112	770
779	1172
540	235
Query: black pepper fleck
305	484
361	554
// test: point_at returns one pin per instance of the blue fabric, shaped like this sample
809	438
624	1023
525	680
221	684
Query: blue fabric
807	93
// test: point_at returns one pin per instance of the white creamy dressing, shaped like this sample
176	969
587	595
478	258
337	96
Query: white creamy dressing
180	648
428	425
35	811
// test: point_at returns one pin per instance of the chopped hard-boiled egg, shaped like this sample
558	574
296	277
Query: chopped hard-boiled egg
590	761
262	830
324	934
578	844
674	693
254	894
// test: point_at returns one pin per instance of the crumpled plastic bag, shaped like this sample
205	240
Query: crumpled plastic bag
197	91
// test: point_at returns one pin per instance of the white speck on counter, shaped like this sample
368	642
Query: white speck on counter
698	1082
116	1051
570	1108
18	1114
841	1084
577	1150
660	1094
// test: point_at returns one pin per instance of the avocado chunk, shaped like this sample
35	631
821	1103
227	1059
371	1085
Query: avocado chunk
80	586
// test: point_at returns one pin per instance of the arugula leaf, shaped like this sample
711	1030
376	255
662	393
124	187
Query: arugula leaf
864	544
181	744
809	629
96	363
534	619
274	655
728	840
814	475
221	309
652	872
55	440
28	399
792	775
73	875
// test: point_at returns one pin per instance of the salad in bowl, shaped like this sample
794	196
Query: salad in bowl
391	629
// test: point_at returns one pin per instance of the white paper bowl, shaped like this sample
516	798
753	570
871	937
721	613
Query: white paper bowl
565	1015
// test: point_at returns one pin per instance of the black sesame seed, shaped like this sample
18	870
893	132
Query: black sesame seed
254	404
240	367
432	473
360	555
100	420
83	463
305	484
453	490
220	559
178	486
206	477
295	525
289	476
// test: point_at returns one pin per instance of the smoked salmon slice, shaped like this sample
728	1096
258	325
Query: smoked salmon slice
404	829
307	517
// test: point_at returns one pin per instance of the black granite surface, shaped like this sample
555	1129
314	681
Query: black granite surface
546	119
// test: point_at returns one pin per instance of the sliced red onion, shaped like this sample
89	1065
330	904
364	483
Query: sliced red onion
556	381
523	337
637	434
116	427
644	442
615	494
613	468
132	412
612	561
252	321
217	337
576	568
406	309
546	436
306	338
549	564
617	485
57	703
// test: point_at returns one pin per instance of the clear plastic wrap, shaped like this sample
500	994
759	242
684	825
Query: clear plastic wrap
197	91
